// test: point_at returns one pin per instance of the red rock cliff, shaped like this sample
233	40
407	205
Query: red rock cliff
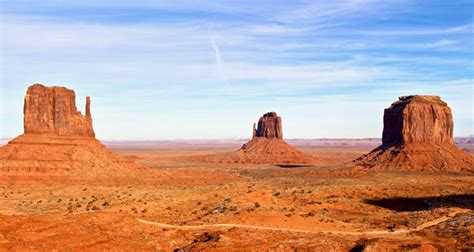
53	110
269	126
417	136
418	119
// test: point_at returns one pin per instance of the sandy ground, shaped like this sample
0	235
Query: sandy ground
222	207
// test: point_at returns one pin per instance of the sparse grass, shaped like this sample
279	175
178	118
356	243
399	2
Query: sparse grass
261	195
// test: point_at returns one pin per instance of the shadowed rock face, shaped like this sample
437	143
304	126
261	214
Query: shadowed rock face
418	136
269	126
418	119
53	110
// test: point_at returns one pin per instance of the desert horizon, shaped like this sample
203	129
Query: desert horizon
208	194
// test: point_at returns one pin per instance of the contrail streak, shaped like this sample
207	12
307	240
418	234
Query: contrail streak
219	61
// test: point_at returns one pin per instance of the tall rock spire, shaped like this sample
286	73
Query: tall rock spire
88	106
254	131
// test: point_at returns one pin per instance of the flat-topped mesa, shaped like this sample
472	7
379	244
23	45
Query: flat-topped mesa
417	119
269	126
53	110
417	136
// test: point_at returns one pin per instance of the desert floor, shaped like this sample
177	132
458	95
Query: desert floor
242	207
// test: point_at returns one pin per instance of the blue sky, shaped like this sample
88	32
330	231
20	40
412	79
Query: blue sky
209	69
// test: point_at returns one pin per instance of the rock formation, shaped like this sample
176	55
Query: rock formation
266	147
269	126
59	141
418	119
418	135
53	110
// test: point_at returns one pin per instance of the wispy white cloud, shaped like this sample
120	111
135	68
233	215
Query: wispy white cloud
322	11
217	6
410	31
441	44
309	57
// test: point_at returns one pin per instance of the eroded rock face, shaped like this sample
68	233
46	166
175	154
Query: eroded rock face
53	110
418	119
59	144
418	136
265	147
269	126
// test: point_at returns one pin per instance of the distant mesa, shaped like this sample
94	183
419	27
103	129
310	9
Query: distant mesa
266	147
269	126
418	136
59	141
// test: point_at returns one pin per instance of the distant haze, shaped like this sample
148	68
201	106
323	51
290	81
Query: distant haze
163	70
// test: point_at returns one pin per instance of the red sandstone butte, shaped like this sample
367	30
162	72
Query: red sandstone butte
266	147
59	142
53	110
418	119
418	135
269	126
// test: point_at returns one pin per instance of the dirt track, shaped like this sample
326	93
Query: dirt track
245	206
374	232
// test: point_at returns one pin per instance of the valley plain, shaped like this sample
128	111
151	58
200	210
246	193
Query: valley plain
220	207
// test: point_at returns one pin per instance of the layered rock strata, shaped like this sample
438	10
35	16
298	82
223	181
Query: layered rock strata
418	136
266	147
59	142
